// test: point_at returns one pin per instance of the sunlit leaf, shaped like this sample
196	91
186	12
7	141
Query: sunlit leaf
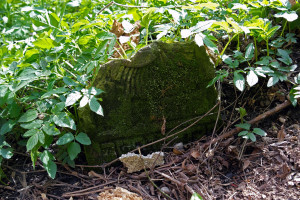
95	106
199	40
289	16
272	81
44	43
64	120
185	33
251	78
73	97
239	81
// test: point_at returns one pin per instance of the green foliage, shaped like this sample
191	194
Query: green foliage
248	133
196	196
51	50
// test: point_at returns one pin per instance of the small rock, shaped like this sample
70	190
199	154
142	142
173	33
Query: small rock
165	190
118	194
178	149
135	162
282	119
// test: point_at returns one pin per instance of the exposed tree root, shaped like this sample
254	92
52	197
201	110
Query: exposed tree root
253	121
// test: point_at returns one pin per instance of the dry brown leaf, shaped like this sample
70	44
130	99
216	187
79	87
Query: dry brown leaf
292	2
94	174
281	134
246	164
118	30
195	154
285	171
44	197
177	151
118	193
178	148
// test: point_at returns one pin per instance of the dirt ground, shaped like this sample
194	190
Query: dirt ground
228	169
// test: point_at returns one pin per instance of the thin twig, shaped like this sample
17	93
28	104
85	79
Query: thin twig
253	121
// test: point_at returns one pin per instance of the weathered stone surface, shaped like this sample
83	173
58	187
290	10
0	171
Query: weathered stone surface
162	81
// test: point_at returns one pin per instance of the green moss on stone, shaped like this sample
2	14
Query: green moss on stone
161	80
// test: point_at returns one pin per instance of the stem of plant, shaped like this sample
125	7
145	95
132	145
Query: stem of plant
283	28
267	43
225	48
238	44
255	48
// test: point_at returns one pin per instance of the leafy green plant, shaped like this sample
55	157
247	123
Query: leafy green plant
196	196
248	133
49	58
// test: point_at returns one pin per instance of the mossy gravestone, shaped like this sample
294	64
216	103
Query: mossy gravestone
162	83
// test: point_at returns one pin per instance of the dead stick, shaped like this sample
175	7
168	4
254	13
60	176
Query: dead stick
253	121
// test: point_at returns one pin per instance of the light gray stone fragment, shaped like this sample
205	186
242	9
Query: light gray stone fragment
135	162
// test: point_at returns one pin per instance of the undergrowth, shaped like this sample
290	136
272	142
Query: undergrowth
51	51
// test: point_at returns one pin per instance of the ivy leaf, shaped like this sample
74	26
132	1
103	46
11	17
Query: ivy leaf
33	140
252	78
95	106
83	138
72	98
259	131
239	81
64	120
66	138
30	115
73	150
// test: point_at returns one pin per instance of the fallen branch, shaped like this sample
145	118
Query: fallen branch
253	121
